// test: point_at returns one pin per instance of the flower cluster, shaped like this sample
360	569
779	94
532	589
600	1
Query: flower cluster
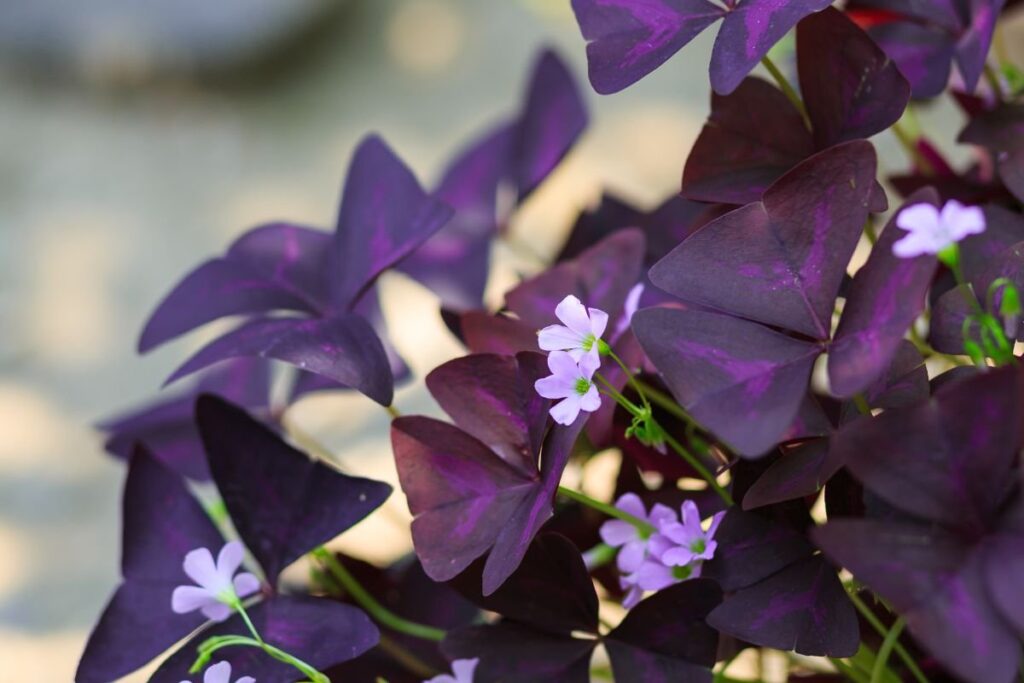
667	549
575	356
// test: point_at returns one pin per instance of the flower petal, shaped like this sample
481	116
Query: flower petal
679	556
561	364
919	218
630	503
591	400
571	311
915	244
566	411
554	386
216	611
598	321
464	668
246	584
589	364
653	576
229	559
961	220
662	515
616	532
218	673
187	599
629	308
631	556
200	567
558	338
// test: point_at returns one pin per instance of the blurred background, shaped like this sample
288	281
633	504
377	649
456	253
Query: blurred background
140	136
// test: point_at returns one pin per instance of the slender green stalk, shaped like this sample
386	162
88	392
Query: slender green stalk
879	627
237	605
848	671
630	377
665	402
210	646
886	649
617	396
909	145
862	404
787	89
380	613
869	231
598	556
610	510
696	464
408	660
393	411
993	82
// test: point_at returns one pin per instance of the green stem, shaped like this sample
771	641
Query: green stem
209	647
408	660
248	622
869	231
302	666
598	556
642	526
630	378
786	88
879	627
910	147
393	411
617	396
884	651
697	465
862	404
665	402
993	81
370	604
848	671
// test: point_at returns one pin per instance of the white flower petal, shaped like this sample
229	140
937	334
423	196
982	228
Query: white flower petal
616	532
598	321
961	221
562	364
187	599
591	400
246	584
246	679
558	338
572	312
919	218
913	245
464	668
631	556
216	611
678	556
662	515
554	386
442	678
218	673
653	576
229	559
589	364
630	503
566	411
200	567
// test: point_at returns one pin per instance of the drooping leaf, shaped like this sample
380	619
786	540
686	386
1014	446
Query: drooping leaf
751	548
514	653
1002	132
282	503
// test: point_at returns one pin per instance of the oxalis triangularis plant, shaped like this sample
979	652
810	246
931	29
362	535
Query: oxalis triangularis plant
818	457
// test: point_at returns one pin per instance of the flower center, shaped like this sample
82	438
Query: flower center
698	546
682	573
588	342
582	385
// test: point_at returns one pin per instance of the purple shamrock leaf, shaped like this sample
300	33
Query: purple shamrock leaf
628	39
282	503
515	156
162	522
926	36
887	295
515	653
1001	131
326	279
951	463
851	91
466	497
167	428
317	631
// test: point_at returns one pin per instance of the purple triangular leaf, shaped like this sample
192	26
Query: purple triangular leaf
345	349
167	428
665	638
748	32
852	90
1002	131
948	459
626	40
752	137
783	271
936	582
384	216
498	333
317	631
492	398
282	503
801	471
887	295
922	53
1004	565
551	590
552	119
804	608
1003	229
162	523
741	380
752	548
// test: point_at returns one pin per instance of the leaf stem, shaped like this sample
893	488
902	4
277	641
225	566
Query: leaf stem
630	378
787	89
393	411
643	526
879	627
848	671
380	613
909	145
878	671
694	462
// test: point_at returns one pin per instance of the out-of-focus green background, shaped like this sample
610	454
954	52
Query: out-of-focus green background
137	138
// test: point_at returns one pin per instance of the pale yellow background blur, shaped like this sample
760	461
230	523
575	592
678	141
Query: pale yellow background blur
116	178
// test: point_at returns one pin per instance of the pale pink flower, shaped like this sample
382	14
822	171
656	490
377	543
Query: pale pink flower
930	230
580	336
571	382
461	668
218	588
221	673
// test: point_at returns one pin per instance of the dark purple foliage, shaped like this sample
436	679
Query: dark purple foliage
326	279
628	39
1001	131
162	522
282	503
950	464
512	158
851	90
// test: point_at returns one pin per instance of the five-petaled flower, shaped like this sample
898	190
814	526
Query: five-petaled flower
580	336
931	230
462	672
221	673
572	382
218	589
674	551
